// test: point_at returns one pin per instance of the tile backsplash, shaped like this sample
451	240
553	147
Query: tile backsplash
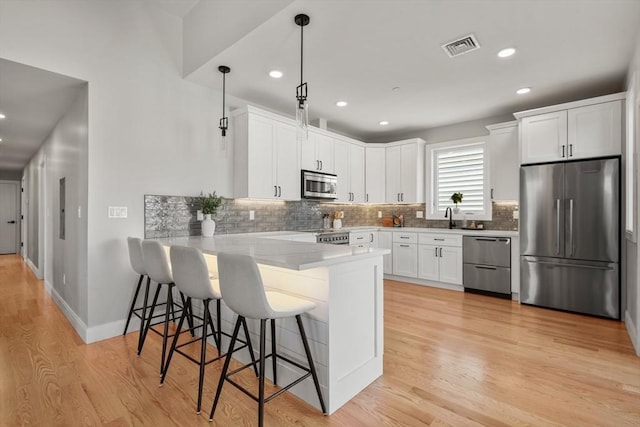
175	216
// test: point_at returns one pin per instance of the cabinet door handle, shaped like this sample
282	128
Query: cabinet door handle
570	150
321	165
440	252
398	196
404	246
11	222
439	240
492	193
279	191
371	237
317	165
275	191
563	151
366	197
436	253
402	197
404	237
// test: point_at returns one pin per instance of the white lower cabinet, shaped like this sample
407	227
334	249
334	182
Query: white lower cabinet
405	254
363	239
440	258
385	241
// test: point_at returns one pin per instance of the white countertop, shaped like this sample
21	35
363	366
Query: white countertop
497	233
278	253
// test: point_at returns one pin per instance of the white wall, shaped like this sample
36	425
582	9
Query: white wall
150	131
632	311
10	175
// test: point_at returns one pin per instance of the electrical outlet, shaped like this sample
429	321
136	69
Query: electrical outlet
252	215
199	215
117	212
516	214
379	214
419	214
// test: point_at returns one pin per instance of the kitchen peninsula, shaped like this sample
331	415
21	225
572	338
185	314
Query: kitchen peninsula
345	330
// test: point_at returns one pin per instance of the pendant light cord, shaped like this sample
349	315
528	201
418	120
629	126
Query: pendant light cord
301	52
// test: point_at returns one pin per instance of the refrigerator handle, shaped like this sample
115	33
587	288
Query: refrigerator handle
570	226
557	226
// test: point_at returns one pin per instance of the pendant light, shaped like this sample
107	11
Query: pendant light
224	121
302	108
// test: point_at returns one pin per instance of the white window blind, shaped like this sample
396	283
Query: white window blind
460	170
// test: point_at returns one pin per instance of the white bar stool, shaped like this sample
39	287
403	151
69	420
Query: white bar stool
158	269
137	264
243	292
191	276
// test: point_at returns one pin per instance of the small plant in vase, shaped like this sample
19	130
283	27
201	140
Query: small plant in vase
210	205
456	198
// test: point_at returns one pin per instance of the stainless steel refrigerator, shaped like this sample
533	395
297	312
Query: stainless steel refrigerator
570	236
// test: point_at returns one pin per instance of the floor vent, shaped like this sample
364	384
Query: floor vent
461	46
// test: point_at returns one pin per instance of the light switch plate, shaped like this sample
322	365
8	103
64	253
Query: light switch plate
252	215
199	216
419	214
516	214
379	214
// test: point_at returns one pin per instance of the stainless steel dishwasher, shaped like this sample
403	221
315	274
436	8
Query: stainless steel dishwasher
487	265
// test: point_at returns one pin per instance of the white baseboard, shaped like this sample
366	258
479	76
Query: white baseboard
111	329
632	331
72	317
33	268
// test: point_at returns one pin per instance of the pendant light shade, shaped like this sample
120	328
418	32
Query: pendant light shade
302	107
224	121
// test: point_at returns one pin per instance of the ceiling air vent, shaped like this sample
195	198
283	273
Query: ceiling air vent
461	46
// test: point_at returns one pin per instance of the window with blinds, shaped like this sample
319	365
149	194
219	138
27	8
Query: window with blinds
459	169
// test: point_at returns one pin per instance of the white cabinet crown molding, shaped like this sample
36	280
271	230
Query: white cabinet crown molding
569	105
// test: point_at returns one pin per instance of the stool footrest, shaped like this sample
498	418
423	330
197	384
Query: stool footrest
277	393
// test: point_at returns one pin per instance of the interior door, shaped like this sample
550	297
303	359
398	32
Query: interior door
542	219
592	210
8	217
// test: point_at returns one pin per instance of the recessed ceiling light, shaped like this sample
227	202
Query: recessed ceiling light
523	90
341	103
275	74
383	123
506	52
2	116
0	139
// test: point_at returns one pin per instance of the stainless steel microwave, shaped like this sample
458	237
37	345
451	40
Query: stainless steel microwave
318	185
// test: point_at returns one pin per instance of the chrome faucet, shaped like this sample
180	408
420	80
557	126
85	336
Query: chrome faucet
448	213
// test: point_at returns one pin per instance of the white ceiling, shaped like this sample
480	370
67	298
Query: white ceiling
359	51
33	100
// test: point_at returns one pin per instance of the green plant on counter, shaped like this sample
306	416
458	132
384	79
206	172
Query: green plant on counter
211	203
456	198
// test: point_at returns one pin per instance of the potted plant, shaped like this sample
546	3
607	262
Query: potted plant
456	198
210	205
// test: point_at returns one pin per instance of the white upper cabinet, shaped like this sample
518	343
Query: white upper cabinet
375	165
595	130
544	137
349	167
503	160
404	172
266	160
317	153
576	130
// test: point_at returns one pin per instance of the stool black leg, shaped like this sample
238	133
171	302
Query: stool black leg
148	325
203	352
219	323
225	368
144	314
249	346
186	304
274	361
173	308
312	367
168	310
133	304
173	347
263	333
215	334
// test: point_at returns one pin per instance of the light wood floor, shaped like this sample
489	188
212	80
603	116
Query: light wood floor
450	359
